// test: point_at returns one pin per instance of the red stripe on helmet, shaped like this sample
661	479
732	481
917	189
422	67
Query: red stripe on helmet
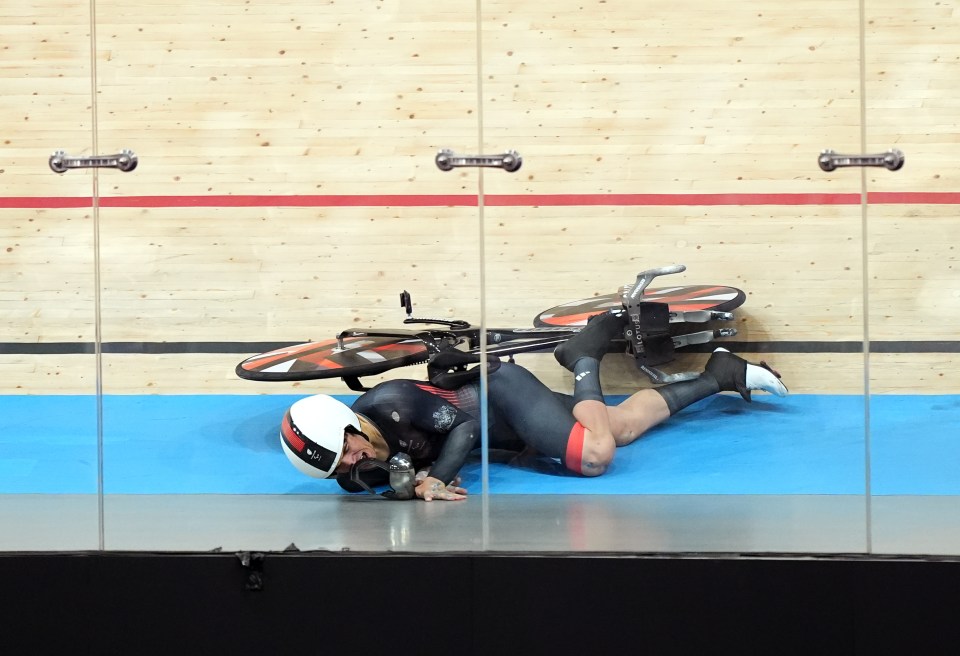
293	440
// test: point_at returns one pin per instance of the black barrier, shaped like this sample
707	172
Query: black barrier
311	603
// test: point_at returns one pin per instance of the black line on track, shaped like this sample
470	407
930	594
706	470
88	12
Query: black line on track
252	348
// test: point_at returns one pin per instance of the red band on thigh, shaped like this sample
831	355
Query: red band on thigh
574	456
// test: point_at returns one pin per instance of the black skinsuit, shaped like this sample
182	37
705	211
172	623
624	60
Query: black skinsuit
438	428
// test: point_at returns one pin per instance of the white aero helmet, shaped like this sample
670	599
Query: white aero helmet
312	433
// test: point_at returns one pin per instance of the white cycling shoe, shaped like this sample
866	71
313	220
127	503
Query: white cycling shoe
737	375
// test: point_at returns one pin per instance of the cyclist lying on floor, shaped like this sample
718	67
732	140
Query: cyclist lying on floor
438	428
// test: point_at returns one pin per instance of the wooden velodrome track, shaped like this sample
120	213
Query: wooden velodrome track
286	186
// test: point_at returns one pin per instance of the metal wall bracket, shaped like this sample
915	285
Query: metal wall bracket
125	160
509	161
830	160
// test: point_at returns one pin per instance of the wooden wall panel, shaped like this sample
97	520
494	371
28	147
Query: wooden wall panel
682	100
284	101
680	97
809	290
911	92
287	98
47	267
914	272
47	282
291	100
45	65
912	102
268	274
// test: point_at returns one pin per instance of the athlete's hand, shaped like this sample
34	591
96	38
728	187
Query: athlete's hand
423	473
431	488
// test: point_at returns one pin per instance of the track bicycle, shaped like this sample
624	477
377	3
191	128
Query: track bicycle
653	333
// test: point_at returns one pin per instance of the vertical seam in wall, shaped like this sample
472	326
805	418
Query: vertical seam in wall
484	424
97	341
864	235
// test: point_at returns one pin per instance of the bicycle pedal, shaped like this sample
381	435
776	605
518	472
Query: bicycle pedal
691	316
699	316
702	337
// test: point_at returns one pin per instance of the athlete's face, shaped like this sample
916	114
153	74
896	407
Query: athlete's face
355	449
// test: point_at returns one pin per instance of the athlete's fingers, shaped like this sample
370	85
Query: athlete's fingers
444	495
435	489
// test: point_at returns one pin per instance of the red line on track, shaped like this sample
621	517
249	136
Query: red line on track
491	200
40	202
914	198
541	200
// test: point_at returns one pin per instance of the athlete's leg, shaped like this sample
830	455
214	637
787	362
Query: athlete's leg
610	427
591	411
543	420
640	412
724	372
581	354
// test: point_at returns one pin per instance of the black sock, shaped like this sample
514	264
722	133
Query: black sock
679	395
586	380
